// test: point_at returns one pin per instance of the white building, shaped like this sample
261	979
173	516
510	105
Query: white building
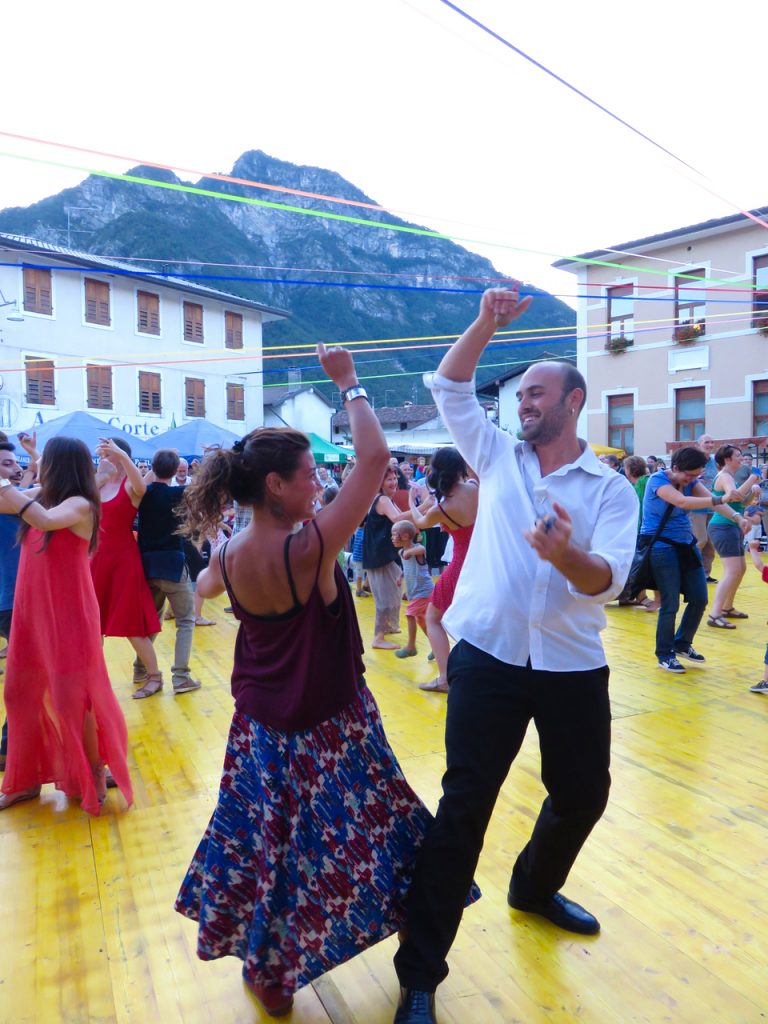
144	352
409	429
300	406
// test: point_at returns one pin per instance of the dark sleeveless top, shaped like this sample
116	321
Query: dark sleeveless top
378	549
295	670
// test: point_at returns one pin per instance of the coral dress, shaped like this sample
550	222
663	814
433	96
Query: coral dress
125	600
56	672
442	595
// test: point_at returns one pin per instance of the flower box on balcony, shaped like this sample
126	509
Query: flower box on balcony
618	344
684	334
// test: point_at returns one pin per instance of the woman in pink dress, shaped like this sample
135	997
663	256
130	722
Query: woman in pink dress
454	510
64	722
125	601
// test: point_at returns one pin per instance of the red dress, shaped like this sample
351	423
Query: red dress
442	595
125	600
56	672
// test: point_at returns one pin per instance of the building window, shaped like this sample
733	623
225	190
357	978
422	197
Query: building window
37	291
621	312
148	313
235	402
99	386
40	383
759	408
233	330
194	397
97	302
621	422
689	413
149	392
690	301
193	322
760	295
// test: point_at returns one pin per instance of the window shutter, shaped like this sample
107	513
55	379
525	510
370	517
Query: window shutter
149	392
37	291
99	387
195	397
235	402
233	330
97	302
148	312
40	381
193	322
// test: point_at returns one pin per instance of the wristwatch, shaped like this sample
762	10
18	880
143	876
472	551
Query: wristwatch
349	394
5	483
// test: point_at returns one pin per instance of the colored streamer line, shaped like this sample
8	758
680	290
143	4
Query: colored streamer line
362	221
604	110
148	273
190	170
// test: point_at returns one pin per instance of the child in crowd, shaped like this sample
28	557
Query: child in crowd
754	552
418	581
356	562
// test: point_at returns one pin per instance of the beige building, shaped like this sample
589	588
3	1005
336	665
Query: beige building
673	335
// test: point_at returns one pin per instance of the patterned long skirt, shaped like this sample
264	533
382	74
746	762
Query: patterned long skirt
308	856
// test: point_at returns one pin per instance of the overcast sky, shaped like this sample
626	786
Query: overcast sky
425	113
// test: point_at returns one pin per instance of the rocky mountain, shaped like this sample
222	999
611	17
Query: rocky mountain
413	283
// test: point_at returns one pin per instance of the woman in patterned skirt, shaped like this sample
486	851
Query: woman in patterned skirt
308	856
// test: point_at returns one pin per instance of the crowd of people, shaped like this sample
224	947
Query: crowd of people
710	501
317	847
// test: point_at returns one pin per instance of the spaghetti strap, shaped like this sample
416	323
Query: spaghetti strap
322	549
288	570
448	516
223	567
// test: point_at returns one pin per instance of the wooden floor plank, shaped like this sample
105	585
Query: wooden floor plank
677	870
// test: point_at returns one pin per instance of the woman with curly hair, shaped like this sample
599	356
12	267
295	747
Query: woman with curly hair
64	722
308	855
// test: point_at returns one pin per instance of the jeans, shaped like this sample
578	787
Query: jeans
490	705
181	598
672	580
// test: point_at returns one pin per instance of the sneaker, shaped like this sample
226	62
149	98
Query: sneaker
690	655
711	579
671	664
761	687
187	685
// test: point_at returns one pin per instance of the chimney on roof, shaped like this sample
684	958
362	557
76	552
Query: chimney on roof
294	376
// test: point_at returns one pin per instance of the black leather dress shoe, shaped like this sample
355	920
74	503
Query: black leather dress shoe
415	1007
560	911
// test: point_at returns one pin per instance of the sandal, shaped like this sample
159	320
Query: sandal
731	613
154	684
718	622
200	621
9	799
435	686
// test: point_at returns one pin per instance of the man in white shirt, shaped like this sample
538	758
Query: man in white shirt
553	542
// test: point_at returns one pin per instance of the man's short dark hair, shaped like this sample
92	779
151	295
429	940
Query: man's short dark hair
6	446
165	462
572	379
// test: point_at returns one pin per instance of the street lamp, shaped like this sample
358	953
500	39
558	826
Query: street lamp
15	315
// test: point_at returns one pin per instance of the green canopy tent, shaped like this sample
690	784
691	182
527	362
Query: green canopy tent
324	451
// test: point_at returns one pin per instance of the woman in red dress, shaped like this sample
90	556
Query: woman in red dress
64	721
455	511
125	600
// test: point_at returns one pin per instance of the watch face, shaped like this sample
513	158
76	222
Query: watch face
5	483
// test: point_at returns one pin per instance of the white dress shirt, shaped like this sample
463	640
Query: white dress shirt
509	602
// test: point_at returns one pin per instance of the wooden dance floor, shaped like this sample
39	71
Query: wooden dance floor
677	870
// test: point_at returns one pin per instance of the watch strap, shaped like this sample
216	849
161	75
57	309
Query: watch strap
349	394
